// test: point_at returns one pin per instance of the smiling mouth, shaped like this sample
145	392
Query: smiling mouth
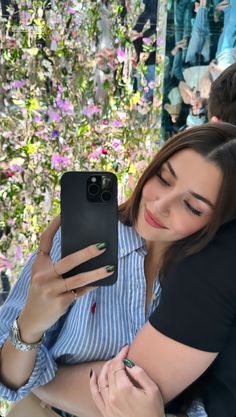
153	221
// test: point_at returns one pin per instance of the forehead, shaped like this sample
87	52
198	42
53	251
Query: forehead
195	173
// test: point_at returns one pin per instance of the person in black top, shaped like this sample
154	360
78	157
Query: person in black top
149	14
214	263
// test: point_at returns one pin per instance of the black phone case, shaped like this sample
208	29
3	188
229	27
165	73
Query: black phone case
84	223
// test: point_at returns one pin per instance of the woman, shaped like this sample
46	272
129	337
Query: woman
181	200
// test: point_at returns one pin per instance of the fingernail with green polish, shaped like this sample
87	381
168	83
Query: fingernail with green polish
110	268
101	245
129	363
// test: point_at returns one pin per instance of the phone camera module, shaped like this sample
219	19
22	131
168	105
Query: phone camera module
106	196
106	183
93	189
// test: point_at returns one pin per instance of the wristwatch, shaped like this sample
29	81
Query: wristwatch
18	343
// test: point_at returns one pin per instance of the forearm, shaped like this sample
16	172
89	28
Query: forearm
70	390
17	365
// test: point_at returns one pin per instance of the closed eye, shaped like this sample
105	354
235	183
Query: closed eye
163	181
192	209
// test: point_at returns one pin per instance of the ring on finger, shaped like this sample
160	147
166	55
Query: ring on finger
117	370
65	285
101	387
75	294
54	269
41	252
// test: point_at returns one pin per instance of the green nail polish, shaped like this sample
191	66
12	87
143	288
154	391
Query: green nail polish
129	363
110	268
101	245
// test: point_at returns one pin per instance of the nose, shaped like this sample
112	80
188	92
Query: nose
165	203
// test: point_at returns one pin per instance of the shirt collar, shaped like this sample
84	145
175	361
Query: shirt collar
129	240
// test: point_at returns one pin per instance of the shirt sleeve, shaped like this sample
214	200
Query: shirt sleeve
45	366
198	300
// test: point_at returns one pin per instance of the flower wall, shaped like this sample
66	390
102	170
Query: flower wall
67	102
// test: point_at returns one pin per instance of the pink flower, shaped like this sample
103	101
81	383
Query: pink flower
66	106
117	123
97	153
18	253
11	222
90	110
54	41
4	263
37	119
70	10
59	161
115	143
16	168
18	83
121	55
104	122
25	17
53	115
147	41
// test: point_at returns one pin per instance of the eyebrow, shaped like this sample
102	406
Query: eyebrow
200	197
171	169
196	195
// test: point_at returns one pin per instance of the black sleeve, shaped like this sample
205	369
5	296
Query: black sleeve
198	300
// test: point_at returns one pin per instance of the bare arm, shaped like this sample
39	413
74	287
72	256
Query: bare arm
172	365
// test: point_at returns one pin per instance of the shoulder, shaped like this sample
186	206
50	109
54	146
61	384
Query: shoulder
198	301
217	258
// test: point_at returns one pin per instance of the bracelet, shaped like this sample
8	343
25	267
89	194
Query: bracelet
17	342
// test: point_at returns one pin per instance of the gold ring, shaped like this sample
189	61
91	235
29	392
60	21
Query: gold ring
117	370
54	269
102	387
41	252
65	285
75	294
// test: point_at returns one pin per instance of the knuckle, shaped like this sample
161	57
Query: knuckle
113	400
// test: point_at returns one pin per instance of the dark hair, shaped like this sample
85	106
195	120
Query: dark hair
222	98
217	143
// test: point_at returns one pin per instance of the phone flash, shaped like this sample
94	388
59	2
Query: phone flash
93	179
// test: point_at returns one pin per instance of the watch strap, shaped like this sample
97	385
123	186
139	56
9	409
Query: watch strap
17	342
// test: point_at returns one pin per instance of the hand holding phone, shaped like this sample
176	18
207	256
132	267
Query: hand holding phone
89	215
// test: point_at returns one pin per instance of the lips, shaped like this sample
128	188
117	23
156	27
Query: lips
153	221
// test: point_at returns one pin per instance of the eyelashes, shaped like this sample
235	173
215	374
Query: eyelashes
188	206
192	209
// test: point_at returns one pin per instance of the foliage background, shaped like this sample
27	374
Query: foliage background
52	118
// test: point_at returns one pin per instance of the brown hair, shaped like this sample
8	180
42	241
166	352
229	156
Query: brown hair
217	143
222	98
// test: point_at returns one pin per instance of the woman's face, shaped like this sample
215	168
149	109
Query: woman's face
180	199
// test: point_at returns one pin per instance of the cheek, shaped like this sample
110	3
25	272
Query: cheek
150	190
186	225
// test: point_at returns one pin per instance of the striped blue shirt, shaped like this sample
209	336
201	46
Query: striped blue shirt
97	325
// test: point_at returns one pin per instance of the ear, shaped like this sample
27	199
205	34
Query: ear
215	119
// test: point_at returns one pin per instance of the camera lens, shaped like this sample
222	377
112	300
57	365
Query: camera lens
106	183
106	196
93	189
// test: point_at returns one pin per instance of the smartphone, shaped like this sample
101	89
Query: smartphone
89	215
